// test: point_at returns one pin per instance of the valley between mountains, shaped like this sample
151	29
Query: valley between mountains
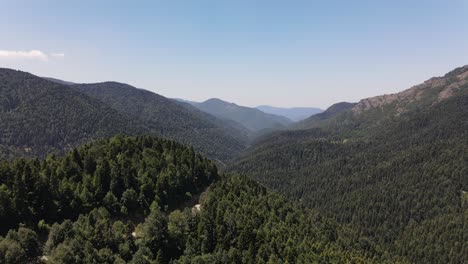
104	172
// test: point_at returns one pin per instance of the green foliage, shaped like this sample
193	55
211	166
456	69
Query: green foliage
128	175
20	246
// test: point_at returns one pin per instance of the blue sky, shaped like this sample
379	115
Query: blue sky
282	53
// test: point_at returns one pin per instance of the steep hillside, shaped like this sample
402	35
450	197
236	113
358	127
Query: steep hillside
251	118
165	117
321	119
294	113
429	93
394	170
116	200
347	118
235	129
39	117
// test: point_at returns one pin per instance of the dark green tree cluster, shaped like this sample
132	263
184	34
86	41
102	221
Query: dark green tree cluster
125	175
21	246
99	238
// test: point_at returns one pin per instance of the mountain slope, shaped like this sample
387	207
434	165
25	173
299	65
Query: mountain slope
167	118
232	127
39	117
251	118
294	113
324	117
392	168
124	200
429	93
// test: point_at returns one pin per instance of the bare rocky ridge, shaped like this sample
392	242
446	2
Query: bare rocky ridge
445	87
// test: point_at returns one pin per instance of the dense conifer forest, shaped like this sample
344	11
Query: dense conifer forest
137	200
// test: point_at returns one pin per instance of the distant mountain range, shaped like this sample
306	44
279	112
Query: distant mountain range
163	116
253	119
294	113
40	116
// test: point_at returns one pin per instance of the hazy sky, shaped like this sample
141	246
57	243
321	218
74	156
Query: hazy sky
282	53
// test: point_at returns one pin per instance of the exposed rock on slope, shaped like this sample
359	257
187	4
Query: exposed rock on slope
431	91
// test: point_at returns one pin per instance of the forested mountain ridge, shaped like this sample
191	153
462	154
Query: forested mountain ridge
118	201
43	115
251	118
293	113
213	137
39	117
233	126
394	175
323	118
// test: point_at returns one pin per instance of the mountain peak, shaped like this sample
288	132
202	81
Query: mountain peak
218	102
